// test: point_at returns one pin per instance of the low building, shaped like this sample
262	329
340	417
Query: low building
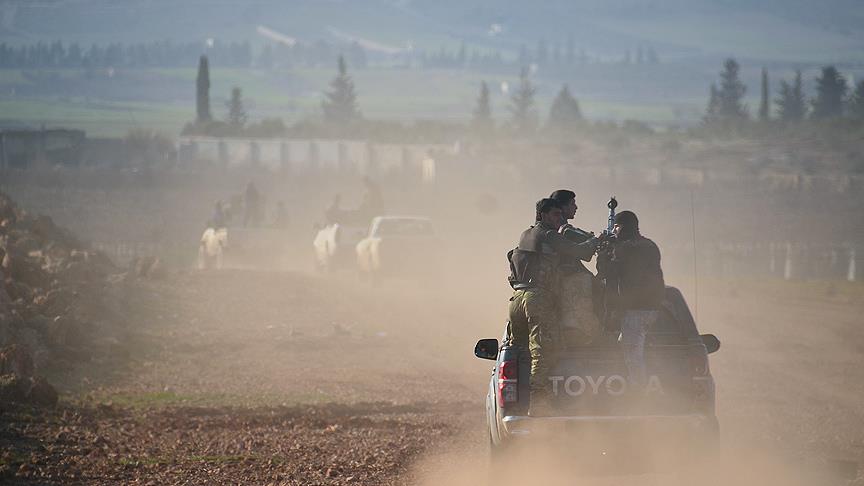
24	148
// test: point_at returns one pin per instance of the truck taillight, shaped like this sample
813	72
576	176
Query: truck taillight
508	382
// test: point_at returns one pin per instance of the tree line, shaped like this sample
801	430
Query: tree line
542	55
235	121
319	53
153	54
341	115
834	99
56	54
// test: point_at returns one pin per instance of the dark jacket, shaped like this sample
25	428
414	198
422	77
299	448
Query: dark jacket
535	262
634	279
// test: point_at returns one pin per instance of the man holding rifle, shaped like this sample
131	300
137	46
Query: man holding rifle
578	322
535	278
630	265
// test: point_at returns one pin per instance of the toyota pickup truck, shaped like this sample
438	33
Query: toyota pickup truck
590	393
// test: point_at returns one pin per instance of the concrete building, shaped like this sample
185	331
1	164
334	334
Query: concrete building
24	148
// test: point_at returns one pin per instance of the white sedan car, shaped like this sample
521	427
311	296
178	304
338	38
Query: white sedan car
400	246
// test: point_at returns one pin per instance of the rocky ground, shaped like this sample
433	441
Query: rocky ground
250	376
366	443
295	386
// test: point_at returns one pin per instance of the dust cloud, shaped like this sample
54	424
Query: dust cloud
267	371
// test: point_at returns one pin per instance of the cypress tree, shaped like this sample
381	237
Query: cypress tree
340	103
522	105
236	112
831	90
791	104
482	121
856	104
764	104
712	111
202	91
731	92
564	113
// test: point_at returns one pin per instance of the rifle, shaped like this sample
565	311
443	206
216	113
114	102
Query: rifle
604	251
612	204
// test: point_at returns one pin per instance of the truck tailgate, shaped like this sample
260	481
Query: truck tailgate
594	382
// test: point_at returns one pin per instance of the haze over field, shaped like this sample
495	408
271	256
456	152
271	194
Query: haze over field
256	241
799	30
643	60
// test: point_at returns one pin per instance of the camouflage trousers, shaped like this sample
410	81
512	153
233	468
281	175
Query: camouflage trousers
533	317
577	320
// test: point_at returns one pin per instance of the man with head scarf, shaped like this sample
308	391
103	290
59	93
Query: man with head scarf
634	289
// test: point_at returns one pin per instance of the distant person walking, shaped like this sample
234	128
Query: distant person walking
252	206
372	203
333	213
280	219
219	218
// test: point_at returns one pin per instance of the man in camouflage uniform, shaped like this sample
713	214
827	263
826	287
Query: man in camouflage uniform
534	267
578	319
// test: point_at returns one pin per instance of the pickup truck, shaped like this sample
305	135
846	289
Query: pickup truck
334	245
590	395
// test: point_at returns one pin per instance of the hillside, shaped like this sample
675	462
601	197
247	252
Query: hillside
800	30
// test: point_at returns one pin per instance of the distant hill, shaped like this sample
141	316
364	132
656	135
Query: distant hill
781	30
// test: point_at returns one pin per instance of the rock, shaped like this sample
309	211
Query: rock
59	331
41	393
146	267
5	299
17	290
79	271
29	339
24	271
13	388
51	293
17	380
5	324
38	323
17	360
44	228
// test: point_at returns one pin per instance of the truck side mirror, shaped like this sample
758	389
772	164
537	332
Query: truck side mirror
486	349
712	344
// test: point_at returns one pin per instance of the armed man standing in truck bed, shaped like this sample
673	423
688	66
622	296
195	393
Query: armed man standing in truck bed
634	290
534	267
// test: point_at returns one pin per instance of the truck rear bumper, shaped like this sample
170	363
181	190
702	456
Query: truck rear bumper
649	425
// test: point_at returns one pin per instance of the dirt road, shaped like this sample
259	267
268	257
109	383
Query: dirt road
266	377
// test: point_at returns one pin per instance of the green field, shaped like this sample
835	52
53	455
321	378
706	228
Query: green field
163	99
691	38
